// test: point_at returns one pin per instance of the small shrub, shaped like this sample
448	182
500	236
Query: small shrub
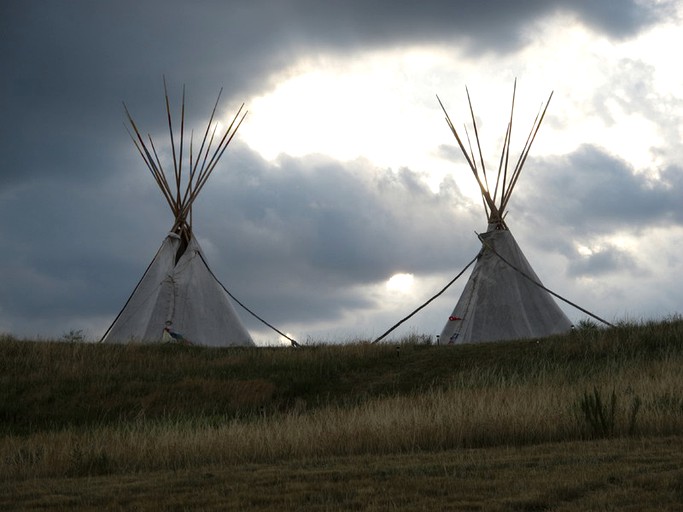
587	324
598	415
74	336
601	416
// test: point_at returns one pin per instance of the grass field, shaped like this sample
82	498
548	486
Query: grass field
588	421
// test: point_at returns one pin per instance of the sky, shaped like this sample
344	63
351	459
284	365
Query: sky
343	202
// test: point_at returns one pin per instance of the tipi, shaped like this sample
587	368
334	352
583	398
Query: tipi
503	298
178	297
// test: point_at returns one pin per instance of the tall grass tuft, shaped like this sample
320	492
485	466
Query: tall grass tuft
600	416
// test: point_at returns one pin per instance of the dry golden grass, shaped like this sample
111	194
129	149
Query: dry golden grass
458	417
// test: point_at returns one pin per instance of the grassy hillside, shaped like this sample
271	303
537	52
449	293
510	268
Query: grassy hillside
72	410
51	385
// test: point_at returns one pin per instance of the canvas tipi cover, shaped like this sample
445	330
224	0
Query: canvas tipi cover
500	302
503	298
184	296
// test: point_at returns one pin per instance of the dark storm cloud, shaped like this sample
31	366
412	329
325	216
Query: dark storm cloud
292	240
489	25
305	232
604	261
67	66
587	195
595	193
74	243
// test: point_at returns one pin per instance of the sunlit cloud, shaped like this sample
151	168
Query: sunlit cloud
401	283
